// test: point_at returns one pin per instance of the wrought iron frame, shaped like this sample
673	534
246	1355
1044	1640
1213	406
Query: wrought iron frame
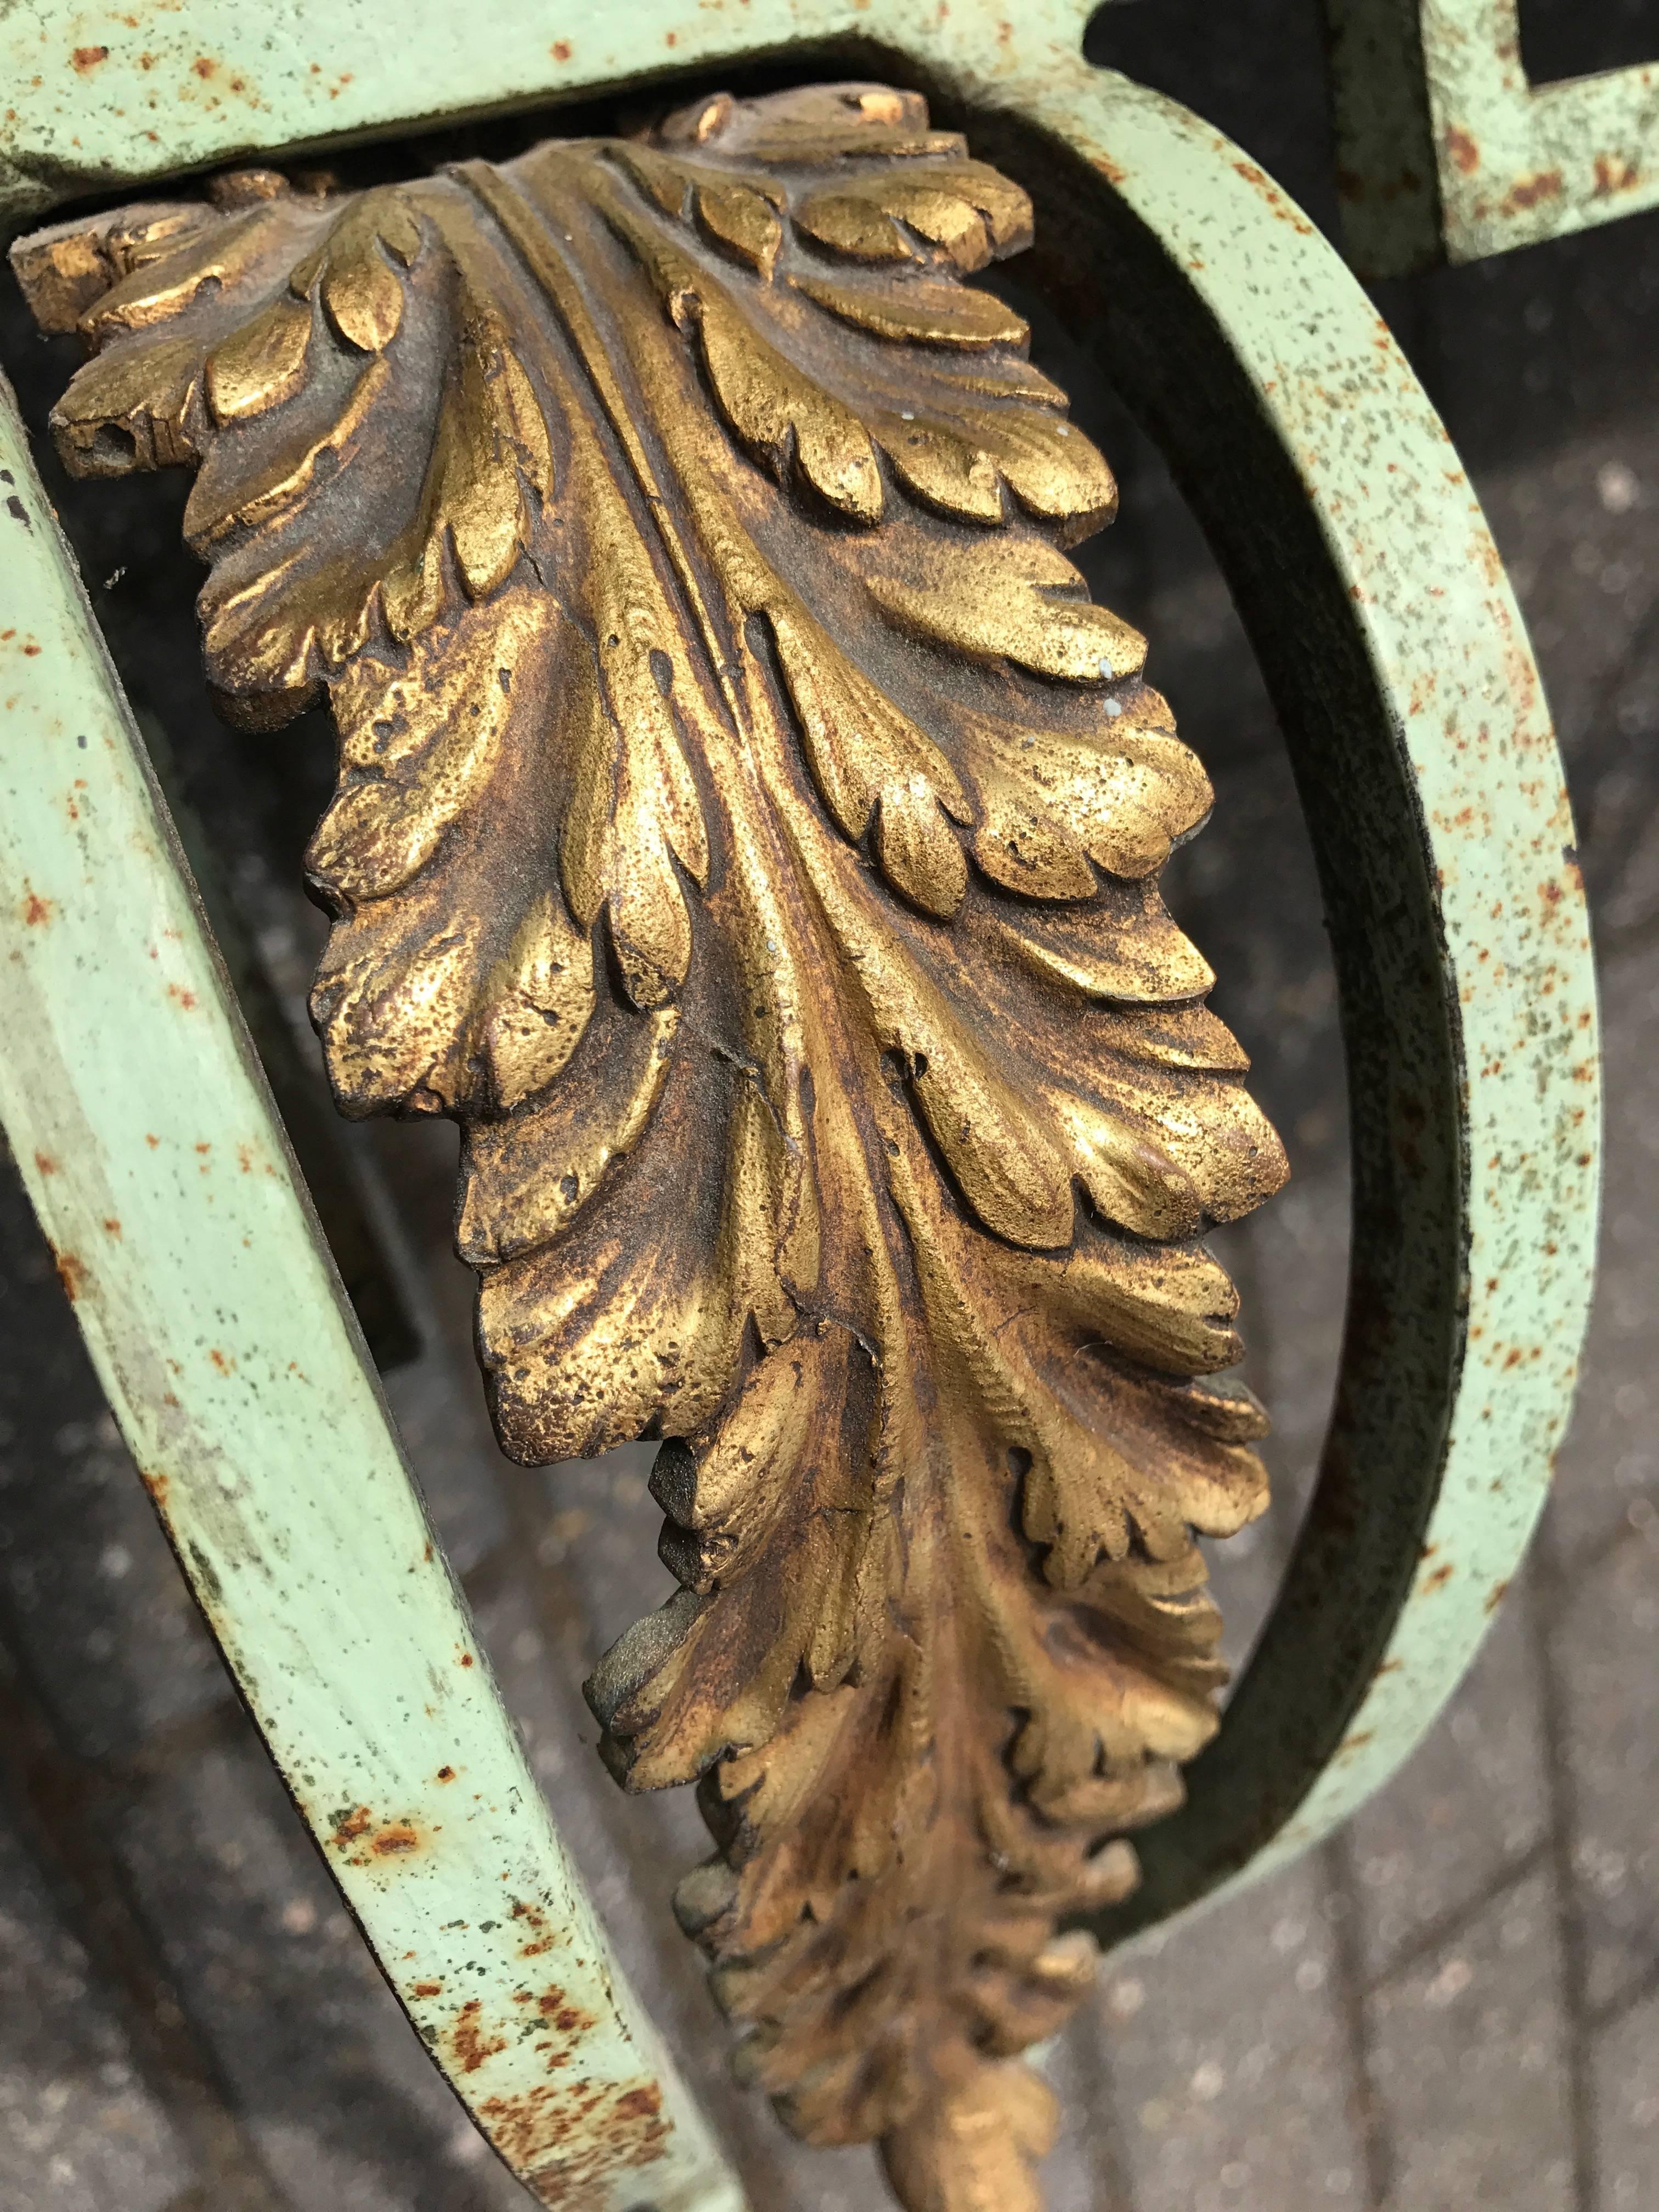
1376	601
1446	151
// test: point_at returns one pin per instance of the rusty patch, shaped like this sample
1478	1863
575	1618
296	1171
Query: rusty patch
1546	185
446	1774
157	1484
561	50
111	1226
87	57
222	1360
1439	1578
472	2045
37	911
1613	173
1463	150
1110	169
46	1163
180	997
639	2104
356	1826
1496	1595
429	1988
71	1273
632	2133
556	2007
1279	206
542	1937
565	2144
527	2126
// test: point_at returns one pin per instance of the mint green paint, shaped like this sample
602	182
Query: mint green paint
313	72
1265	329
1410	554
158	1169
1448	152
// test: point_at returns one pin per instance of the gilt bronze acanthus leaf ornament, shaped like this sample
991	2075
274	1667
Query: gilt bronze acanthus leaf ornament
748	830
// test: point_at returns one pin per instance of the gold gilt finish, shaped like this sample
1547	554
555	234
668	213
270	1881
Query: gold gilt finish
749	831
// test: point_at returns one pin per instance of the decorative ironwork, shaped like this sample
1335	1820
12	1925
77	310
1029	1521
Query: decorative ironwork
1446	151
749	831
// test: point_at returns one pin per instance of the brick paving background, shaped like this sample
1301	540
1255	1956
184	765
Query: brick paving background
1456	2004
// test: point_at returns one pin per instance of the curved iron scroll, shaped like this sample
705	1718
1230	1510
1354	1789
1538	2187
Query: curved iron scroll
1356	552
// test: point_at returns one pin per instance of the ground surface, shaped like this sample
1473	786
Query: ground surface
1456	2003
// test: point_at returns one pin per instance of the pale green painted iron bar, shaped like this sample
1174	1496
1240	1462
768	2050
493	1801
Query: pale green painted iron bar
1446	151
1372	588
160	1171
1373	595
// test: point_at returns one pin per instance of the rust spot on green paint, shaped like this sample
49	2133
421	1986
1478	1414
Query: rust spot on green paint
1463	150
87	57
472	2042
638	2103
541	1937
556	2009
567	2137
37	911
71	1273
355	1833
1546	185
1283	210
1614	174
